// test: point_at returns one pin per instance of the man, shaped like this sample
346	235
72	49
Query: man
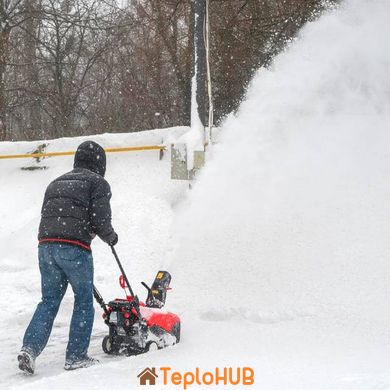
76	207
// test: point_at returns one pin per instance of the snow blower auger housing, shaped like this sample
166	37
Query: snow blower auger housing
136	327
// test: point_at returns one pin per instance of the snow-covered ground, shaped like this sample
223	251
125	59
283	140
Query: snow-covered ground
280	254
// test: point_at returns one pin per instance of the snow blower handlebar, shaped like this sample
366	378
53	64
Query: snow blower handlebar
134	297
122	270
99	300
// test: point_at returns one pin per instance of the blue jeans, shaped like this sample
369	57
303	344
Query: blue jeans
61	264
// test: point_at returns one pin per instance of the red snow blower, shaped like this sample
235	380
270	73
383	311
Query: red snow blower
136	327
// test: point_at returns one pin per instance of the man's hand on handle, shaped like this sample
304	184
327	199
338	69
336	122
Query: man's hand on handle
114	240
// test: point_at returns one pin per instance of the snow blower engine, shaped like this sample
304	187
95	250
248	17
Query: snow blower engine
136	327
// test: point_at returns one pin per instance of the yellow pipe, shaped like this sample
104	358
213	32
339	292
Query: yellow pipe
108	150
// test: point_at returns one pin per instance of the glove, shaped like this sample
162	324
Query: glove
114	240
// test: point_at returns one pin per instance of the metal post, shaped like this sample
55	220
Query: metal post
208	69
198	112
188	158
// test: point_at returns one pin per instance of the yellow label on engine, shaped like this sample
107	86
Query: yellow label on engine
160	275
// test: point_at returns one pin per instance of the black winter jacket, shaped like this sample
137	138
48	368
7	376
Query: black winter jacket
77	204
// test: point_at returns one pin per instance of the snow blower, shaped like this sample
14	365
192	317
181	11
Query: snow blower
136	327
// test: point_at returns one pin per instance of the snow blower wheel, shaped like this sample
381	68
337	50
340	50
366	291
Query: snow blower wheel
109	346
151	346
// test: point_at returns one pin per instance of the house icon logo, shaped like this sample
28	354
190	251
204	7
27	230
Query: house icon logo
147	376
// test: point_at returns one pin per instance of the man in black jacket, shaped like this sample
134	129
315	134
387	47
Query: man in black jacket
76	207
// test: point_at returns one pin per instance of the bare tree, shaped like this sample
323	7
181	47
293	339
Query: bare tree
73	67
11	16
71	40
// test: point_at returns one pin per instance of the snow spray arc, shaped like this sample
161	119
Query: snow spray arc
218	376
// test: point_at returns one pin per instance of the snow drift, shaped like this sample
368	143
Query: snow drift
291	216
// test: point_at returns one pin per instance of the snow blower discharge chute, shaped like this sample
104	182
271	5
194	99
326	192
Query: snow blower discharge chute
136	327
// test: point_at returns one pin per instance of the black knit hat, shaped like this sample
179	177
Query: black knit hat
92	156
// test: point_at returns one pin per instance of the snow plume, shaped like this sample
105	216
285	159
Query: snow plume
292	215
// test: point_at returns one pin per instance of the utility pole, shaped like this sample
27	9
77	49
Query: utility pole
189	157
198	97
